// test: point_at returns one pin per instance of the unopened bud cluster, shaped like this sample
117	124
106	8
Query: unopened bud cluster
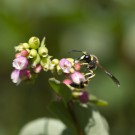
32	57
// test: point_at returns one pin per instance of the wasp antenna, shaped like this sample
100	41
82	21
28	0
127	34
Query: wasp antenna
75	51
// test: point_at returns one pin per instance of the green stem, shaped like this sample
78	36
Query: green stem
76	124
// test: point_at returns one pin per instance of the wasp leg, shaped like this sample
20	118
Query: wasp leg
84	63
89	75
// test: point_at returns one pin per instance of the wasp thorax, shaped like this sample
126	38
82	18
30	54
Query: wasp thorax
92	64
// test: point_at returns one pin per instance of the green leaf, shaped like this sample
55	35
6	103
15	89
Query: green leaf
61	89
90	120
55	84
62	112
44	126
96	101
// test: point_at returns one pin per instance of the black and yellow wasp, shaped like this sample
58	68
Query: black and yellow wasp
91	62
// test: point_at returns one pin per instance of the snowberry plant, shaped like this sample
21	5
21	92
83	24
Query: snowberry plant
73	105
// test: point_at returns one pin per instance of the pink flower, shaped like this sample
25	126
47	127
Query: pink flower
65	65
77	77
18	75
20	63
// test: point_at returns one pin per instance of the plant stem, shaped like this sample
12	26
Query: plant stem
76	124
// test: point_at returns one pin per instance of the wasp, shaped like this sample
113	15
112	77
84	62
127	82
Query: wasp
91	62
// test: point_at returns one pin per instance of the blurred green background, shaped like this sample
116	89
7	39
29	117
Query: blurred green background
105	28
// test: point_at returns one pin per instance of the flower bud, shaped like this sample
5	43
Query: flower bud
33	53
24	53
76	94
84	98
43	51
59	70
55	61
19	48
77	66
45	63
37	69
53	64
34	42
36	61
25	45
67	81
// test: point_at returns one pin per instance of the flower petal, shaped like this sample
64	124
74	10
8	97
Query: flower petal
65	65
15	76
77	77
20	63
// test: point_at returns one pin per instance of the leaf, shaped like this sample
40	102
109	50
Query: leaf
61	111
61	89
96	101
44	126
90	120
55	84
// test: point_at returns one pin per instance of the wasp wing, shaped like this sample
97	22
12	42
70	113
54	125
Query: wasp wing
115	80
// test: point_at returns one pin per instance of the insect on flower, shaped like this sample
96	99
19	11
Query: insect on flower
91	62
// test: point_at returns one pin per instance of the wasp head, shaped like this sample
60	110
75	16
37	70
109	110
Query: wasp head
93	62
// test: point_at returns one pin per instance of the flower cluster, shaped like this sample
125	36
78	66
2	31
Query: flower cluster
32	57
74	79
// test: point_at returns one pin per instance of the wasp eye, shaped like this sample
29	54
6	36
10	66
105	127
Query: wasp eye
86	57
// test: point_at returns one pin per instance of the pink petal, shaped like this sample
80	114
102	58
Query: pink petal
77	77
20	63
65	65
15	76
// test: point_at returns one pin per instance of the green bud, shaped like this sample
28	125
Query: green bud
59	70
76	94
43	51
53	64
32	53
36	60
55	61
34	42
25	45
19	48
45	63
